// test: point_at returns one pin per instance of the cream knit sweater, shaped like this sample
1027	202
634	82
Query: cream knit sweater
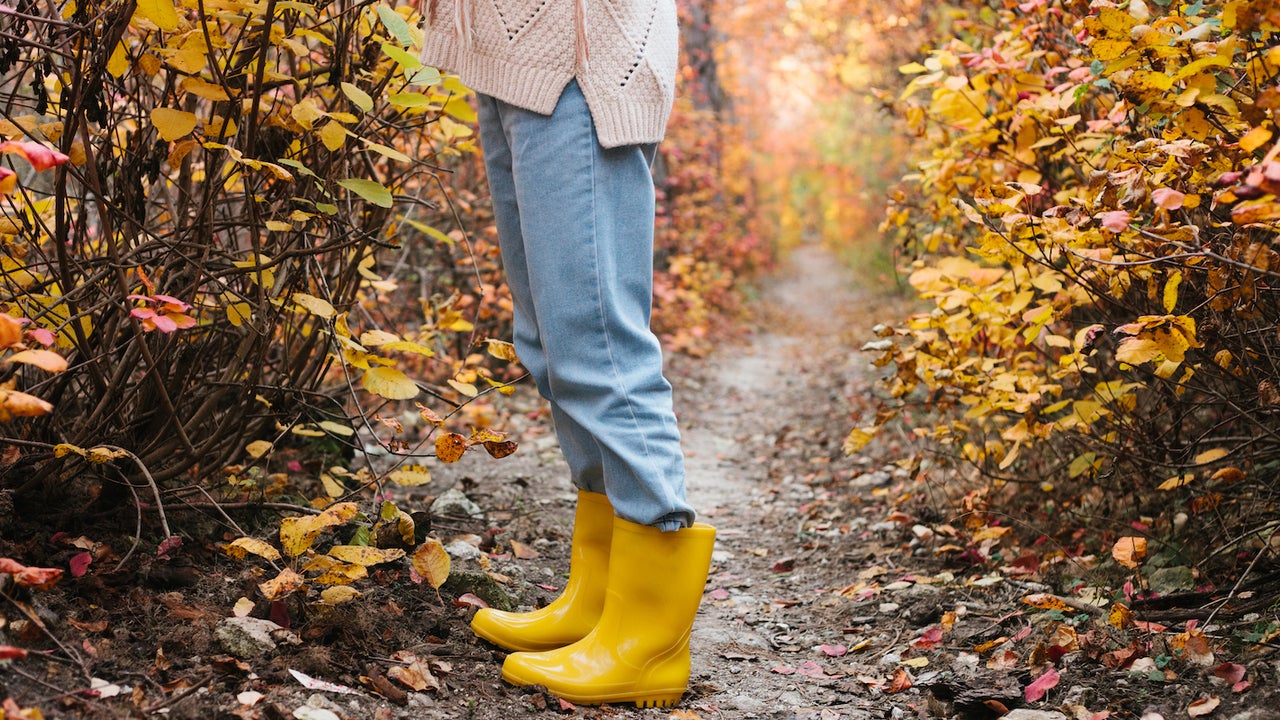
623	54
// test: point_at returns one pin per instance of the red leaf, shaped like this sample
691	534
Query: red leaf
11	566
9	652
785	565
80	563
168	545
38	578
40	157
1041	685
833	650
566	706
811	669
783	670
1230	672
718	594
931	638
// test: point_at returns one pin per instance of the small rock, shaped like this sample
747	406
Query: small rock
459	551
246	638
452	503
1172	579
1025	714
889	607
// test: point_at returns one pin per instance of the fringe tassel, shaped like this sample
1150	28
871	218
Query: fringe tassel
462	21
580	41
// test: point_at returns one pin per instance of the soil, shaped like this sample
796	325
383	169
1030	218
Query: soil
829	595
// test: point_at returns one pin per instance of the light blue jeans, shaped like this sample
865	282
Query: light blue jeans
575	223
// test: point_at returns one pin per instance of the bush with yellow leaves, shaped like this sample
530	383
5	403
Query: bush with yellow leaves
1092	221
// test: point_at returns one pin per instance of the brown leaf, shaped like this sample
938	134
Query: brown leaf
522	551
901	681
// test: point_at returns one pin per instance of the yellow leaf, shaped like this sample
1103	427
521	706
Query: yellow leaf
238	313
374	338
450	447
243	607
1255	139
389	383
358	97
118	63
1176	482
46	360
465	388
1129	551
916	662
432	562
282	585
205	89
278	226
162	13
258	448
297	534
502	350
241	547
339	573
1171	291
306	112
172	124
314	305
333	135
411	347
1209	456
363	555
410	476
338	594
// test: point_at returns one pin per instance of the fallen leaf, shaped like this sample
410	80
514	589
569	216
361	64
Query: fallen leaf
1041	685
431	562
282	585
1203	706
79	563
9	652
522	551
901	681
1129	551
471	599
811	669
313	684
833	650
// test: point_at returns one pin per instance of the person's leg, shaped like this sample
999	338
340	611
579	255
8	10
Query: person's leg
583	455
585	233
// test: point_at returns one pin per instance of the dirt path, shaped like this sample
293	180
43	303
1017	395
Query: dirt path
837	589
763	421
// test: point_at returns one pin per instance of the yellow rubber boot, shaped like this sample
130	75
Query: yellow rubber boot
572	615
639	651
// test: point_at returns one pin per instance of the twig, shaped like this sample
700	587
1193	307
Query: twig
178	697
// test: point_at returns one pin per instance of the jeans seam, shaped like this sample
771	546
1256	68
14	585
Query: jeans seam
608	335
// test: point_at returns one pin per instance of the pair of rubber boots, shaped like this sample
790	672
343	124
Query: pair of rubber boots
620	630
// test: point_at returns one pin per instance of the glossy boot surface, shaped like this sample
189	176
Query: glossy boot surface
572	615
639	650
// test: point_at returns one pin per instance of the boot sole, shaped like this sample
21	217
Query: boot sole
661	698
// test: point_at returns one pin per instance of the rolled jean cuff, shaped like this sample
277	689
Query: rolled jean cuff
673	522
